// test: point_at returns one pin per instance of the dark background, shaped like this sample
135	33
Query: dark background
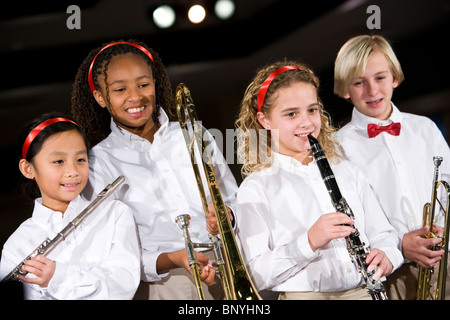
216	59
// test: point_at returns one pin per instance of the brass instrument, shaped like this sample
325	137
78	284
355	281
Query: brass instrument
236	282
425	281
48	245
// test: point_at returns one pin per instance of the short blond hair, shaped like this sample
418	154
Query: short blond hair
352	59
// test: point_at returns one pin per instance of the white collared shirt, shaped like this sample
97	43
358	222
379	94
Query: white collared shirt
276	208
399	168
159	185
98	260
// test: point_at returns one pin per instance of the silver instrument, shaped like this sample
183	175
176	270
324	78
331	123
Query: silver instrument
48	245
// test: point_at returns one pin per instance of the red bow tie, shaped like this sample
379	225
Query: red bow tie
394	128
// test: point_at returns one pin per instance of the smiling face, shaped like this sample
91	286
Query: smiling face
294	114
60	169
371	93
130	94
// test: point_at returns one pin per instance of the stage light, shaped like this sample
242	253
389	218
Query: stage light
196	14
164	16
224	9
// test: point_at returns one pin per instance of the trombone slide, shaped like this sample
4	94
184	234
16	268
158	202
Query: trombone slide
236	282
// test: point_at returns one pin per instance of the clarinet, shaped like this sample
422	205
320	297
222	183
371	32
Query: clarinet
48	245
357	249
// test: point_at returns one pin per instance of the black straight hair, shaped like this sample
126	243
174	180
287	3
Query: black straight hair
28	186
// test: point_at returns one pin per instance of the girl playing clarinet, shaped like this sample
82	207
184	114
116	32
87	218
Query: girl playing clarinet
292	237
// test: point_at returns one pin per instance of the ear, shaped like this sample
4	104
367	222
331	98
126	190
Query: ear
26	168
346	95
395	84
263	120
99	98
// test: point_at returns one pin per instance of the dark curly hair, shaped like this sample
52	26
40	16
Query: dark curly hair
85	109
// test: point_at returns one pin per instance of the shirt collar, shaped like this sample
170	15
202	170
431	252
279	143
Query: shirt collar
361	120
43	215
287	162
133	140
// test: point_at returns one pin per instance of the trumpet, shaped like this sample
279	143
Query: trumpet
236	282
426	280
47	246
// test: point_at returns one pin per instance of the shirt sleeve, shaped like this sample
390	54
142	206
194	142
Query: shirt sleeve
149	261
19	246
380	232
100	176
267	264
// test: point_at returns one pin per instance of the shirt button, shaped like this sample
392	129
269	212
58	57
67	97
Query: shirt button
349	270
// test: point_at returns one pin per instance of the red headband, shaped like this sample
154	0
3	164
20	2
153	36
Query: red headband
265	86
37	130
91	82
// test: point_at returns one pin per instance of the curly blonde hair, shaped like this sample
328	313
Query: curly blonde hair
251	147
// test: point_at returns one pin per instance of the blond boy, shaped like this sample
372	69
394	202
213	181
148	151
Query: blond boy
394	149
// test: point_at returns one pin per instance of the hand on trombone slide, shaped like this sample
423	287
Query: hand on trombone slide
417	248
211	220
179	258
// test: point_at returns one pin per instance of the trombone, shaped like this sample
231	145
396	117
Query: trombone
425	281
236	282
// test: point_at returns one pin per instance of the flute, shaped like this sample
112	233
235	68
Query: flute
48	245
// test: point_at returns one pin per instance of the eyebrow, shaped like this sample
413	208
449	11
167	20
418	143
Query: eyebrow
376	74
296	108
123	81
60	153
